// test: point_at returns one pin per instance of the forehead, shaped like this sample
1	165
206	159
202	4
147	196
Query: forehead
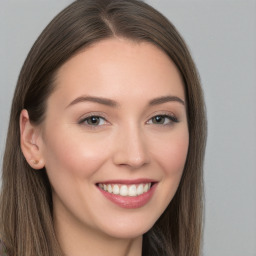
116	68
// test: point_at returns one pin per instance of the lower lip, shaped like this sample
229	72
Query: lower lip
130	202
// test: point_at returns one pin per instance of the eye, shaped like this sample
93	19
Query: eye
163	120
93	121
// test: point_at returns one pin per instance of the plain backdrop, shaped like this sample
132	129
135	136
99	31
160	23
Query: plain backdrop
221	35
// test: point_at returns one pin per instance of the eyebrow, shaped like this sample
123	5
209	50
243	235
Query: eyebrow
165	99
112	103
103	101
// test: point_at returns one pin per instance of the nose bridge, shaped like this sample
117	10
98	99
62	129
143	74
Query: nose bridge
131	148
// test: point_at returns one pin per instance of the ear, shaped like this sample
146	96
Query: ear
30	141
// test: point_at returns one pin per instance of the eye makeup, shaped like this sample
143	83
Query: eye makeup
96	120
163	119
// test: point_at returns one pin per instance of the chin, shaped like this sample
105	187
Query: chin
128	229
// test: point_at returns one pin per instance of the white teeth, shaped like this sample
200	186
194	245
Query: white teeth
145	189
126	190
132	191
123	190
109	188
140	189
116	190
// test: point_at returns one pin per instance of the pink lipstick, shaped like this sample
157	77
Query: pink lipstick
128	193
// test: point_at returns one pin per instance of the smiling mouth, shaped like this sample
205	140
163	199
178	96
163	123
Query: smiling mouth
130	190
130	194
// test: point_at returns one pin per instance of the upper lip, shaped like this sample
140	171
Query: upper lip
129	181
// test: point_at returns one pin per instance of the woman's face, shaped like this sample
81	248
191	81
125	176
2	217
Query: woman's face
115	126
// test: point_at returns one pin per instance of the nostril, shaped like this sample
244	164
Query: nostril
130	159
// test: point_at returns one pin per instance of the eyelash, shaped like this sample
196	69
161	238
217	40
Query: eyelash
84	121
172	119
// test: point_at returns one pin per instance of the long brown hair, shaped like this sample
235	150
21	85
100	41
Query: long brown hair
26	223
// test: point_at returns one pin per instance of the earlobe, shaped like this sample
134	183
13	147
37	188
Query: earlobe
30	141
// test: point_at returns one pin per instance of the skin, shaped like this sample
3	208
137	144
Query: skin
126	144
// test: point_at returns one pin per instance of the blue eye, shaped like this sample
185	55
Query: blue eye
163	120
93	121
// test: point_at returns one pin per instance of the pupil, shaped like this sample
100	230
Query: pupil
94	120
158	119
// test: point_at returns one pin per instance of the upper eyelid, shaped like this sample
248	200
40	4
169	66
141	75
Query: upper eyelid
162	113
85	118
90	114
103	115
171	117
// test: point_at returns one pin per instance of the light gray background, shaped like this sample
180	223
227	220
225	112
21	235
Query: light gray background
222	39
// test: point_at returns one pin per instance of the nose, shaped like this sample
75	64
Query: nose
131	148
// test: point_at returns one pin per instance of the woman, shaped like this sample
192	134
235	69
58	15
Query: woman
106	138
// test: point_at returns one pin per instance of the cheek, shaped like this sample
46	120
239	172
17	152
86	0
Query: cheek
172	153
73	153
172	159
